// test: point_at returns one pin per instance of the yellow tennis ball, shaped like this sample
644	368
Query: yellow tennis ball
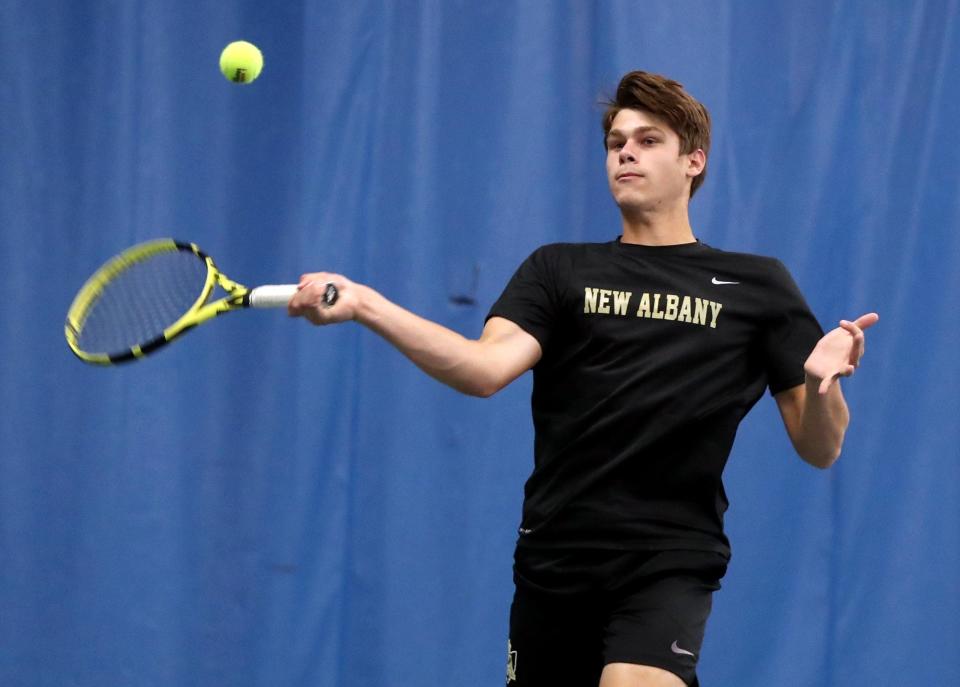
241	62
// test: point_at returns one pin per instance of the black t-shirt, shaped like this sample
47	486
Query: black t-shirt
651	357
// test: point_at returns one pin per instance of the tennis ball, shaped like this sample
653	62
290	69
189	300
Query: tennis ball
241	62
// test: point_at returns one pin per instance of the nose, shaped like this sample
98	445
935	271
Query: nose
627	153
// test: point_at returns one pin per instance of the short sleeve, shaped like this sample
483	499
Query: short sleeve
530	298
791	333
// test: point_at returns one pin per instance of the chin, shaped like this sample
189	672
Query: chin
630	204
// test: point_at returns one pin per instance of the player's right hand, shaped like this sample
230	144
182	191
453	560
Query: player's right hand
308	302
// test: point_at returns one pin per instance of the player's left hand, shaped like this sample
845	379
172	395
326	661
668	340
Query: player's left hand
839	352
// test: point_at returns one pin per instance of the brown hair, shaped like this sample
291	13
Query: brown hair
664	98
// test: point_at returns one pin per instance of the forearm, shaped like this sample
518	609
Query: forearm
817	421
823	424
442	353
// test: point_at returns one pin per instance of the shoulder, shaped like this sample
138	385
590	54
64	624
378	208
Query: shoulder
566	255
749	265
570	249
751	259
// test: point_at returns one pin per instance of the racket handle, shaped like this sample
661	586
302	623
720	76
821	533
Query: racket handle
272	295
278	295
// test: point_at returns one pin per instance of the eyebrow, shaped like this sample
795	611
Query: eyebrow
640	130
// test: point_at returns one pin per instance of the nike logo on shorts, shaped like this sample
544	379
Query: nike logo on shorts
677	650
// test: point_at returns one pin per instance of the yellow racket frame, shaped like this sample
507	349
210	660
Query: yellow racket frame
198	313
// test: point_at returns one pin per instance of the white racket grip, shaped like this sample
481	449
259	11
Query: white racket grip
272	295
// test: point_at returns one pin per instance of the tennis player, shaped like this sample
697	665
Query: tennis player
647	351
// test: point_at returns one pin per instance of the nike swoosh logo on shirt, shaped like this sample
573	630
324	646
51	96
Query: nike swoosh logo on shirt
718	282
677	650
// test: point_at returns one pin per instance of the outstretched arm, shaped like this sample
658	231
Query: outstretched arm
815	413
478	367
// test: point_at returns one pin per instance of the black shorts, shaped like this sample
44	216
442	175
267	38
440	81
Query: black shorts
575	612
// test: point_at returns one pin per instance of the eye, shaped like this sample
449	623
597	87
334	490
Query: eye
649	141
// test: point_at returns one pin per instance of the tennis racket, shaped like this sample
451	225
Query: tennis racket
150	294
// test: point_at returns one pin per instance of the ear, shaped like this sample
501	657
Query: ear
696	162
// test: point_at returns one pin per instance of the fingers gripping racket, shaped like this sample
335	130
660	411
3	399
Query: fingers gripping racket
152	293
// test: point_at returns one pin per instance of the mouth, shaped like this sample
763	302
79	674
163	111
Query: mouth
629	175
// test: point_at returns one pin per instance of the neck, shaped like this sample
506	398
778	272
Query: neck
657	228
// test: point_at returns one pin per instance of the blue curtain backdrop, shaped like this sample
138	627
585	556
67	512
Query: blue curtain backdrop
265	503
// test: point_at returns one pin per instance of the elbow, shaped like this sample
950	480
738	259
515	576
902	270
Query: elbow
822	459
479	388
481	380
475	390
483	390
486	382
821	448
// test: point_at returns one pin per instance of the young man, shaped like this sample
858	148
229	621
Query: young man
646	351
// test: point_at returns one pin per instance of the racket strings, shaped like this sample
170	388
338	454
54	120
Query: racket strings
143	299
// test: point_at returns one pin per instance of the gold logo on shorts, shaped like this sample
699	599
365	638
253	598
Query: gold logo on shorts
511	663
